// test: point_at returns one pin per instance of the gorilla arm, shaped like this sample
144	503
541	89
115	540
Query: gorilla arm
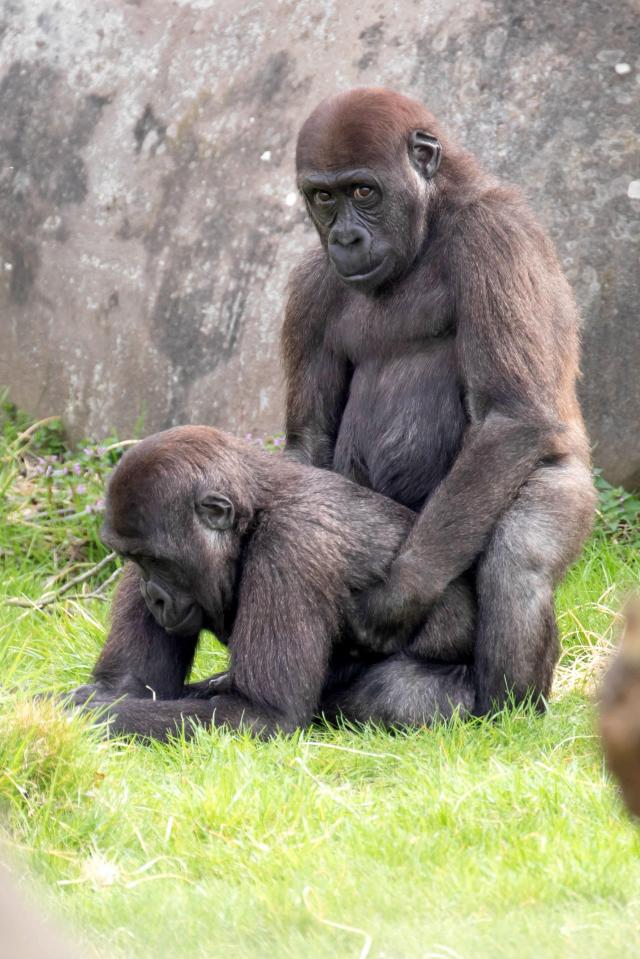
317	380
140	658
279	650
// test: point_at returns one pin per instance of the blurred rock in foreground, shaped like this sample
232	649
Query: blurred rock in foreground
620	710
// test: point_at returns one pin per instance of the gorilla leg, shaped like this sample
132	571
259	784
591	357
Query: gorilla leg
402	690
140	658
428	678
448	633
529	552
516	646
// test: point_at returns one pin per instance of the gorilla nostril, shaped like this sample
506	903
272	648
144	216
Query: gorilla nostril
156	597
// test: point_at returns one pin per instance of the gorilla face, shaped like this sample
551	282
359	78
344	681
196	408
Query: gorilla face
186	578
371	220
348	209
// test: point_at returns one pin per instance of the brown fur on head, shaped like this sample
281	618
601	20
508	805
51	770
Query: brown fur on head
179	505
167	470
390	146
367	126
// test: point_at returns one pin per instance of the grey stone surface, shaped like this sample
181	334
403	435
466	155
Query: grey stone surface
148	217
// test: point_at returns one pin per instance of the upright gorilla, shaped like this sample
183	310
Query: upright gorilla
266	553
431	348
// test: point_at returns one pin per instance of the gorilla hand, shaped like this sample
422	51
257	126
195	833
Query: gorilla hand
386	616
206	688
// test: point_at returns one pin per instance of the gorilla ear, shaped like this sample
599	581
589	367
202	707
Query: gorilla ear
425	152
216	511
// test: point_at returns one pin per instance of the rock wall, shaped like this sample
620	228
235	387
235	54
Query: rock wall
148	216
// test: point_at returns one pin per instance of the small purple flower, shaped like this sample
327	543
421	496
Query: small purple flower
48	472
81	489
77	469
101	450
88	451
249	437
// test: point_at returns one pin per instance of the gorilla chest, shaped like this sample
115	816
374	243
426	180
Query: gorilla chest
403	421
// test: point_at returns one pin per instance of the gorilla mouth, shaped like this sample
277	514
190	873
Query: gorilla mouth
189	624
365	277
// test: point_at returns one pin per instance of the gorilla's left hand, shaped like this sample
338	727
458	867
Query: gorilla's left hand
386	616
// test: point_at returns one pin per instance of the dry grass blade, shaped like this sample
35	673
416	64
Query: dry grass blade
28	433
47	598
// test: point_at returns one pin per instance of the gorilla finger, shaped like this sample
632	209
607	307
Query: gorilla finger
219	682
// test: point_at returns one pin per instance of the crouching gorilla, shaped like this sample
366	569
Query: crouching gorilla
266	553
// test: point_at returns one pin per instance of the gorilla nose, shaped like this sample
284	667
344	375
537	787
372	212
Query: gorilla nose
176	614
347	237
158	600
349	249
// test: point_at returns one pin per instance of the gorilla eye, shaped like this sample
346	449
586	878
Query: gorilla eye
362	192
322	196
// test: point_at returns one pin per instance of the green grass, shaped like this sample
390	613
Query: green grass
491	839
